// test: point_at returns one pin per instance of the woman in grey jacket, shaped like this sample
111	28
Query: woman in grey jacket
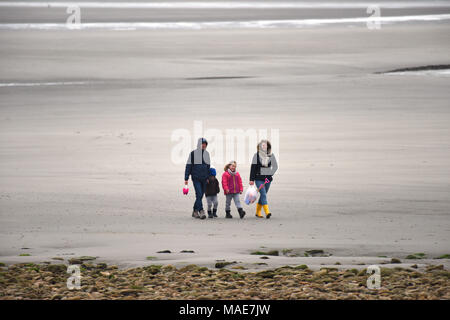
264	166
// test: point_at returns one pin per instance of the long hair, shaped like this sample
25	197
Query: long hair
227	166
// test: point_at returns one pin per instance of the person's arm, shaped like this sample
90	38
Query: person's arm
253	169
241	187
224	183
217	186
207	159
188	169
274	164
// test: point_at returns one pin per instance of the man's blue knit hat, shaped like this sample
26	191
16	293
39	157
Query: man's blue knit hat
212	171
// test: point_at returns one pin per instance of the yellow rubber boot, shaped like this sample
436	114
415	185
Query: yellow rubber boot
258	210
266	210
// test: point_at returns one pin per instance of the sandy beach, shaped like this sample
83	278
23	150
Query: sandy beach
86	118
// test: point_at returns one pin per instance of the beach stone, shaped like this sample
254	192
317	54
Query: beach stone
87	258
238	268
220	265
302	267
316	253
348	274
128	292
57	268
75	261
168	268
362	273
190	267
58	258
266	274
153	269
268	253
164	251
433	267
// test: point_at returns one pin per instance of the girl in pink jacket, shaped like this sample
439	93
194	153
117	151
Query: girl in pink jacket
232	186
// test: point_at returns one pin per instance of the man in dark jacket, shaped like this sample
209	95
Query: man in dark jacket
197	167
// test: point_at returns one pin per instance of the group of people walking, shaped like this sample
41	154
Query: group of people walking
264	165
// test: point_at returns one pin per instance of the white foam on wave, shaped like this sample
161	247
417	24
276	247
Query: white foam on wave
443	72
218	24
38	84
230	5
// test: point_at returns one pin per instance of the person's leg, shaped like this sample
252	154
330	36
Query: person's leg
209	201
262	193
259	205
237	202
266	205
227	202
267	186
228	198
216	204
201	212
198	205
199	191
258	183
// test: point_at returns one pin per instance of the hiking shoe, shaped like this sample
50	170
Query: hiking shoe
201	214
241	213
228	215
195	214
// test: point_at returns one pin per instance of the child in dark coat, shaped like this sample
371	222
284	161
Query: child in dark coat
211	191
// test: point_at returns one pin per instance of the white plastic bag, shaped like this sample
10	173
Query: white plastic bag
250	195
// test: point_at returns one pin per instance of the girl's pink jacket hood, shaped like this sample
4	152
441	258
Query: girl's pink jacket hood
232	183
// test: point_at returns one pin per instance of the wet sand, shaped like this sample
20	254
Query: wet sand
85	165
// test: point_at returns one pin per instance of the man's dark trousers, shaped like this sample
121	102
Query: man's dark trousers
199	186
